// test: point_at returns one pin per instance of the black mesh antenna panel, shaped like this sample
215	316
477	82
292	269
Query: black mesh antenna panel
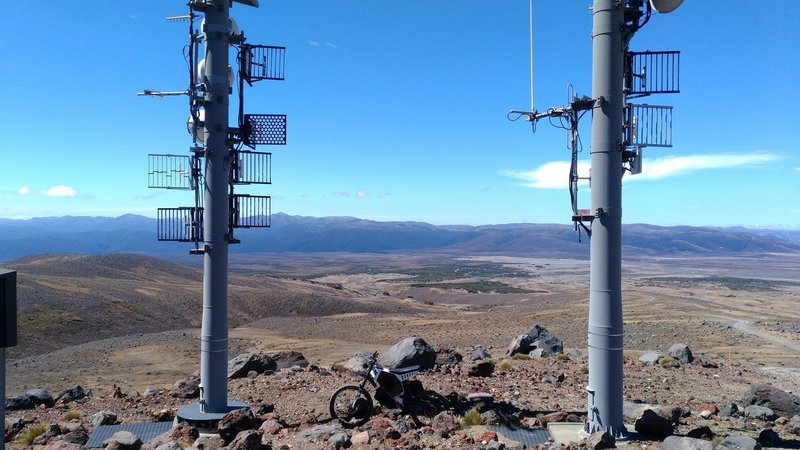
264	129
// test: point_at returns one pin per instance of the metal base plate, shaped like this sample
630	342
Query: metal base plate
205	421
145	431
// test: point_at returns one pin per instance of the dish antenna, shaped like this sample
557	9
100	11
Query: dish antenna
665	6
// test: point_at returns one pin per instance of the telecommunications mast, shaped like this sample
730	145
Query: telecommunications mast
619	131
221	157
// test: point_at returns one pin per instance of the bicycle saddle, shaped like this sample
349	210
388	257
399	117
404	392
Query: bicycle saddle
402	370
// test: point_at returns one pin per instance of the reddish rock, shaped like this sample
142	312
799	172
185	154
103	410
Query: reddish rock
488	436
380	424
184	434
235	422
560	416
270	426
246	440
712	409
61	445
360	438
444	423
307	421
114	391
601	440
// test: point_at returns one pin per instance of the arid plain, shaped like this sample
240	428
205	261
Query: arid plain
737	310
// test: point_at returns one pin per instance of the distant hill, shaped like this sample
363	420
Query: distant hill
132	233
72	299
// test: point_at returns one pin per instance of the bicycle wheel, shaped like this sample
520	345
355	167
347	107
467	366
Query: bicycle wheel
426	406
351	405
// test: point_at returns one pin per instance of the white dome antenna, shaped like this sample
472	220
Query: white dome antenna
665	6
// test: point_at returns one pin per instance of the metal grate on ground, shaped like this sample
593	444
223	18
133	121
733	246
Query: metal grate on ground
145	431
531	437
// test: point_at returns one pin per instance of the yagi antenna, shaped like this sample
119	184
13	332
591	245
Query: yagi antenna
180	18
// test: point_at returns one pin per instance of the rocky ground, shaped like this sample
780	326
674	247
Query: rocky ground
291	406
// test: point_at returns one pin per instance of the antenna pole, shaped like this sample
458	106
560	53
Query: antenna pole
214	333
533	107
605	334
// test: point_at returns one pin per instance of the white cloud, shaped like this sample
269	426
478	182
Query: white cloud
679	165
553	175
362	193
315	43
60	191
341	194
55	191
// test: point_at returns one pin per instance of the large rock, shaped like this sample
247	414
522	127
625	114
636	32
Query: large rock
104	418
317	433
40	397
339	440
246	440
794	425
358	362
76	434
730	410
739	443
188	387
184	434
650	358
72	394
18	402
681	352
685	443
445	423
781	402
410	351
287	359
123	440
536	338
769	438
481	368
235	422
601	440
652	424
165	446
760	413
61	445
448	357
259	363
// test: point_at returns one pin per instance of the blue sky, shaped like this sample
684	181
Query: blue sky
397	110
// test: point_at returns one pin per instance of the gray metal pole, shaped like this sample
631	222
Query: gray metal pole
214	333
605	298
3	394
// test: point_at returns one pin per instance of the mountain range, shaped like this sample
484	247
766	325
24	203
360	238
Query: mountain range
133	233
